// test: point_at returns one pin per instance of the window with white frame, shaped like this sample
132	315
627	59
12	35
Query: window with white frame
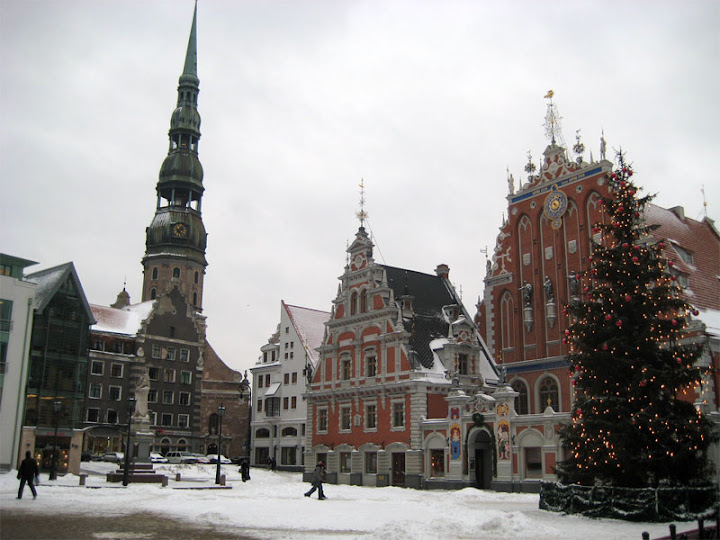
171	352
371	462
345	368
345	462
370	416
169	375
184	355
93	415
463	364
345	417
115	393
152	395
156	351
183	420
398	414
186	377
95	391
184	398
322	420
98	367
166	420
168	397
116	370
371	365
153	373
153	418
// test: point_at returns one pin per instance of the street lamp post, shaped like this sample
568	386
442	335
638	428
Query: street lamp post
130	411
221	413
53	461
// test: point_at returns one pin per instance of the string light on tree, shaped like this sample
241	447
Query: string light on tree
628	361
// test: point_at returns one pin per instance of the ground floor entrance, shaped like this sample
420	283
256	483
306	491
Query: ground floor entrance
398	469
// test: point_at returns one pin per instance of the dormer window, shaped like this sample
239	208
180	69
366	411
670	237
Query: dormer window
684	254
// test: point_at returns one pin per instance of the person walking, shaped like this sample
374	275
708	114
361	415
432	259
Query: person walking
245	469
26	473
317	480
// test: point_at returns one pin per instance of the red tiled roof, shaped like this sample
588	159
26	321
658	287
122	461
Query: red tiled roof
699	238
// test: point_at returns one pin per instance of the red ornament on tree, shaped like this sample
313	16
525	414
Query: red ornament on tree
673	322
618	324
608	317
625	245
635	259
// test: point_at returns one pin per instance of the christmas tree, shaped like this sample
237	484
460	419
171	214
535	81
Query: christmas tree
630	360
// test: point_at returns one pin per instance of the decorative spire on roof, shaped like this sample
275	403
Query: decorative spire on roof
552	122
578	147
362	214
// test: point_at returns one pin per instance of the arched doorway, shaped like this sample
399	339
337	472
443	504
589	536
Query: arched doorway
481	456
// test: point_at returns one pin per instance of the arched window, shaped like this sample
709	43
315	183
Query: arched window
549	394
521	402
363	301
182	445
153	293
353	303
289	432
164	446
176	272
195	299
213	424
262	433
197	276
155	273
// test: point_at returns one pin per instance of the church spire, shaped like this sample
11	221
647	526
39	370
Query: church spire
176	238
191	55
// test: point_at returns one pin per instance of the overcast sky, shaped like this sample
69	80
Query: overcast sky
430	102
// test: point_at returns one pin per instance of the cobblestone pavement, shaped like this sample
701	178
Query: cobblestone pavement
21	524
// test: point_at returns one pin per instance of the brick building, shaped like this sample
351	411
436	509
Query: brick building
545	240
401	372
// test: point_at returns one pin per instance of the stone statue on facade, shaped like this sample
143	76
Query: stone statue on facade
548	286
142	388
527	290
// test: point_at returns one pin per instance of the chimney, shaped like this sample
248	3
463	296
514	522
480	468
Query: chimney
679	211
442	270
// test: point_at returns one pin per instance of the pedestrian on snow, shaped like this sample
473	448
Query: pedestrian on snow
26	473
317	480
271	463
245	469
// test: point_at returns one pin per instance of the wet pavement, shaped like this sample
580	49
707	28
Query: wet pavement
20	524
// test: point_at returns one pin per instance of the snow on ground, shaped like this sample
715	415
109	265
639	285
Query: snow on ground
272	506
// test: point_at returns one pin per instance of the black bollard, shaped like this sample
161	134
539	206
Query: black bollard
673	534
646	535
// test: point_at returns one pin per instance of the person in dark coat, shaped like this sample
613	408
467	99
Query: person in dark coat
317	480
245	469
272	463
26	473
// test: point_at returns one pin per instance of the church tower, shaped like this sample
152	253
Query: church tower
176	238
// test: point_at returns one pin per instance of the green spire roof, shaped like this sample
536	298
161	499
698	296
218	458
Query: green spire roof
191	56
